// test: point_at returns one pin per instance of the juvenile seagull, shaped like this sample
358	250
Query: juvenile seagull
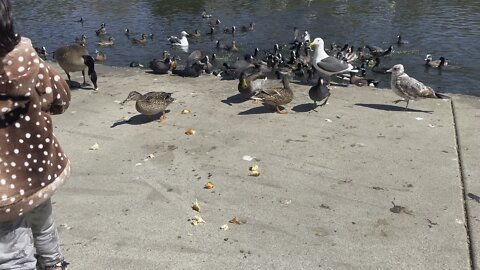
409	88
328	65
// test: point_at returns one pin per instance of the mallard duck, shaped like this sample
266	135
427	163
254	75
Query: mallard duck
276	96
151	103
249	84
160	66
102	30
248	28
100	56
379	52
105	43
141	41
319	92
429	62
194	34
75	58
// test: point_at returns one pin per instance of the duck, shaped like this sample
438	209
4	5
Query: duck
362	81
160	66
74	58
232	47
248	28
325	64
194	34
401	41
183	41
102	30
212	31
82	40
249	84
377	68
429	62
320	91
276	96
206	15
151	103
105	43
229	30
193	70
141	41
379	52
100	56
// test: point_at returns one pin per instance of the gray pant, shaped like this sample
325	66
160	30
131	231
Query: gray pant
19	238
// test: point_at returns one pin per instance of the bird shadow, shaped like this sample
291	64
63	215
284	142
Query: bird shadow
76	85
258	110
307	107
391	108
235	99
138	119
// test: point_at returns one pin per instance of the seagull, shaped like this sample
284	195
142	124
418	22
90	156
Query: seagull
328	65
409	88
429	62
179	41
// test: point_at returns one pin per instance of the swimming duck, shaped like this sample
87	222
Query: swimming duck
105	43
401	41
195	34
379	52
377	68
276	96
232	47
229	30
183	41
75	58
212	31
248	28
206	15
82	40
102	30
151	103
159	66
320	91
325	64
80	20
141	41
100	56
249	84
127	32
429	62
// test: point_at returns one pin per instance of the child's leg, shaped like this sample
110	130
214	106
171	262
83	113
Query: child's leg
45	235
16	245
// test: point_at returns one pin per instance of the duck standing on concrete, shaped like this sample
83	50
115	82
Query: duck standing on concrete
151	103
161	66
319	92
74	58
409	88
276	96
249	84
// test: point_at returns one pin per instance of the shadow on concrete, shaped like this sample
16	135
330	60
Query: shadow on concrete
307	107
258	110
76	85
139	119
391	108
235	99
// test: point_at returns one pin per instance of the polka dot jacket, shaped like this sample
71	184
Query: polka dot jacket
32	164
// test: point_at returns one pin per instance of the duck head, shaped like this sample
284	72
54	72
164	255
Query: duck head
134	95
428	58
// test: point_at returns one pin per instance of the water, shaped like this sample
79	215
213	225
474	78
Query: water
441	28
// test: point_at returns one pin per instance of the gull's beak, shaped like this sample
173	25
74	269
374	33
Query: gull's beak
311	43
389	71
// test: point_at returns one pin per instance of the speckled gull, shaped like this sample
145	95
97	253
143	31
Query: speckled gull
325	64
409	88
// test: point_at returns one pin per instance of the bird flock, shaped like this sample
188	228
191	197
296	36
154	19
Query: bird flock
304	59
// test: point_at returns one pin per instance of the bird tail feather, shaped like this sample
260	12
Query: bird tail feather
442	96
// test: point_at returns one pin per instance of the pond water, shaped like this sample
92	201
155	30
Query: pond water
441	28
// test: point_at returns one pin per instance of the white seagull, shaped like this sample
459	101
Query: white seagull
183	41
326	64
409	88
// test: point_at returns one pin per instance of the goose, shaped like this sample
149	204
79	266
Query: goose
409	88
141	41
229	30
401	41
160	66
325	64
82	40
248	28
379	52
74	58
206	15
429	62
183	41
100	56
102	30
232	47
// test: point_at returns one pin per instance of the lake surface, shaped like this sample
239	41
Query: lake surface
441	28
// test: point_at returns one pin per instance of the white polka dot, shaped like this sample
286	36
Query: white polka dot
45	153
2	182
20	140
26	164
4	197
14	176
21	69
9	62
27	135
12	186
16	151
20	58
29	156
29	179
30	202
40	169
12	199
17	125
36	61
13	164
48	90
47	140
40	146
56	78
41	65
42	184
22	192
40	76
7	210
27	118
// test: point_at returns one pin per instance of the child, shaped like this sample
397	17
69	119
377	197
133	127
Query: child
32	164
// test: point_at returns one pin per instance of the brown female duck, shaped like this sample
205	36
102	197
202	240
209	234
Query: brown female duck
151	103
